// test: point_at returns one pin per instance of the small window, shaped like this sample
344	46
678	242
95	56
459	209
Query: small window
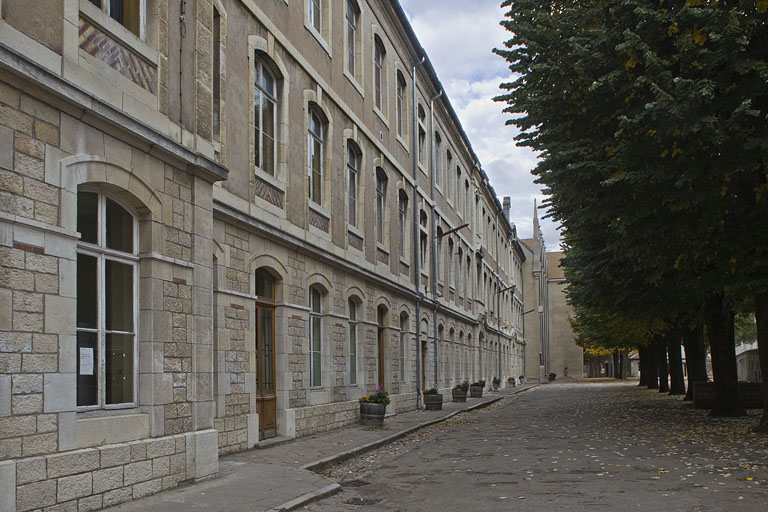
128	13
315	337
106	302
265	117
315	147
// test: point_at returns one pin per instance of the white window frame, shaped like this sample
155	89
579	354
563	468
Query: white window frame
102	254
260	67
353	190
315	7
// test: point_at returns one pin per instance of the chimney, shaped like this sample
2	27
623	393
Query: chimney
506	206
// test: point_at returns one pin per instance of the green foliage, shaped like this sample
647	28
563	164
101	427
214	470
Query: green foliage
431	391
377	397
650	121
480	383
464	386
745	327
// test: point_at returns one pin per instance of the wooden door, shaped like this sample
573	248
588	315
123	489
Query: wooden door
266	399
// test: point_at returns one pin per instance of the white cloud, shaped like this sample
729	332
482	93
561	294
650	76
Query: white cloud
458	36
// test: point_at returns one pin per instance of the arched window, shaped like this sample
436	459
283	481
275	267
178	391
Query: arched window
264	287
436	155
379	75
353	174
460	273
265	116
402	207
422	136
315	141
352	342
352	18
403	338
315	337
401	122
381	195
423	238
107	264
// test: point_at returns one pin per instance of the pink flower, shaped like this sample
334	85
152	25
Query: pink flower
378	389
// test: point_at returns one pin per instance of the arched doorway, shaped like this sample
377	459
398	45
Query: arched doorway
266	397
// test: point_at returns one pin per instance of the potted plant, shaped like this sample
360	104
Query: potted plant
460	391
433	400
510	382
476	389
521	379
552	376
373	407
496	382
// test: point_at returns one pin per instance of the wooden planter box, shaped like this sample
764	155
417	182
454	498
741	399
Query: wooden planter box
372	414
476	391
433	402
459	395
510	384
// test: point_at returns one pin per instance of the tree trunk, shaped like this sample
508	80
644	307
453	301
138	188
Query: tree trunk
652	367
677	386
695	357
642	353
661	353
761	316
616	369
719	320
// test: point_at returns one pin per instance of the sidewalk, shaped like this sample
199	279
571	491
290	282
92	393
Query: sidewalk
283	477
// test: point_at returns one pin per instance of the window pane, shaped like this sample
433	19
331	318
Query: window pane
316	333
257	98
118	291
87	216
316	376
267	344
88	373
352	310
118	356
264	285
119	227
87	294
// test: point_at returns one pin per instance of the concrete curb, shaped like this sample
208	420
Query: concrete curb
304	499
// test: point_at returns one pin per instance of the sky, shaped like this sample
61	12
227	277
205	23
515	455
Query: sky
458	36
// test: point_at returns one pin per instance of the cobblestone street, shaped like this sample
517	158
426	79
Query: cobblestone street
576	446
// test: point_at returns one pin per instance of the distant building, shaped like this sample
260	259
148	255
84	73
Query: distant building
566	358
748	363
536	314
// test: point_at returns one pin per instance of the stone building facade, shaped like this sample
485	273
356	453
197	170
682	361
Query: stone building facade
226	220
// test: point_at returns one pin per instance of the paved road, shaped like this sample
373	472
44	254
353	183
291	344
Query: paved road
566	447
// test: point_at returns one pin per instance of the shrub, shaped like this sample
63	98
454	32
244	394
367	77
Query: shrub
480	383
464	386
430	391
377	397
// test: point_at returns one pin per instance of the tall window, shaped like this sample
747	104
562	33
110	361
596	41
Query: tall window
128	13
422	136
460	273
352	342
469	278
216	75
265	117
438	253
458	190
315	157
467	202
448	166
423	239
315	13
400	105
353	172
315	337
381	196
107	257
402	209
378	72
436	156
351	36
403	338
449	266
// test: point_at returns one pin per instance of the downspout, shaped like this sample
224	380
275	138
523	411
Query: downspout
182	33
433	235
416	261
498	298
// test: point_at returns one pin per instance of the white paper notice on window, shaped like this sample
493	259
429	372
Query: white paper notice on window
86	361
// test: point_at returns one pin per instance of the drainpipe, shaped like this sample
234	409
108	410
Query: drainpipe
416	261
434	231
